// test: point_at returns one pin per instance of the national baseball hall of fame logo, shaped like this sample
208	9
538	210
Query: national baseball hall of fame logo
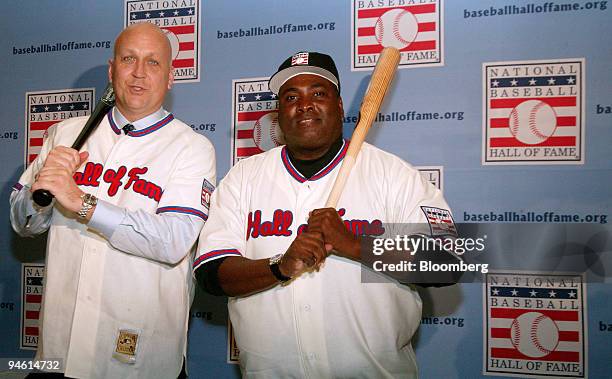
535	325
180	20
45	108
32	275
255	118
414	27
533	112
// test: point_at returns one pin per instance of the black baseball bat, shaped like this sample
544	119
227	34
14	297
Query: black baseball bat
43	197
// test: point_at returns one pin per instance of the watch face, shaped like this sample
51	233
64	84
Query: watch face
276	259
90	199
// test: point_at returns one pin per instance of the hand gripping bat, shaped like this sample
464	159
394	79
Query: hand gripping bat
43	197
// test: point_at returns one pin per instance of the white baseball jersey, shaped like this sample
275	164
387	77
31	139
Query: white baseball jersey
328	323
100	303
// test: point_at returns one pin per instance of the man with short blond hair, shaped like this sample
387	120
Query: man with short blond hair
128	209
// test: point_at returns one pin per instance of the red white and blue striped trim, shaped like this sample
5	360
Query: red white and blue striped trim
148	130
185	210
142	132
215	254
112	123
324	171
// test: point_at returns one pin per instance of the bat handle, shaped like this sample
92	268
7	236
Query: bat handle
42	197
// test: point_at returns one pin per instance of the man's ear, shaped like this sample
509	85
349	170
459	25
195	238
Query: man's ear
171	78
110	70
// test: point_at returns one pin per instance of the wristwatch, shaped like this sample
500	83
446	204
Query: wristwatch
89	201
274	267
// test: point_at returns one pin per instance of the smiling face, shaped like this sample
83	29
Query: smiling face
310	115
141	70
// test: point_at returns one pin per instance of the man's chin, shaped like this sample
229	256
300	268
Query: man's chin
310	148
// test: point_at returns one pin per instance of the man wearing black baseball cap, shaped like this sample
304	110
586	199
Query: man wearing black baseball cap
305	63
292	269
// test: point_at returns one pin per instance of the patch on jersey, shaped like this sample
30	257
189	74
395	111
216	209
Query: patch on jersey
32	275
207	190
299	58
45	108
127	342
180	21
440	221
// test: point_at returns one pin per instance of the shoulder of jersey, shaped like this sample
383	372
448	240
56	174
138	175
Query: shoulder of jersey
184	131
258	159
70	126
383	159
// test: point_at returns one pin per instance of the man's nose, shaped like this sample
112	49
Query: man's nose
139	69
305	104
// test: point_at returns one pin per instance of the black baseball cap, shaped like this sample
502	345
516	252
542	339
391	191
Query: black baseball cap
305	62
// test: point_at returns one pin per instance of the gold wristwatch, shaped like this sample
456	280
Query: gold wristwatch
89	201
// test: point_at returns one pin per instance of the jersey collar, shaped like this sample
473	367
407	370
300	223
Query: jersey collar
295	174
144	126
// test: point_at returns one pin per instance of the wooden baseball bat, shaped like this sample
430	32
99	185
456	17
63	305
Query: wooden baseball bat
375	93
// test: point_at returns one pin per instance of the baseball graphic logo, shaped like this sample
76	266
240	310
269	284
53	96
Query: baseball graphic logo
415	27
531	331
45	108
174	43
180	21
299	58
532	122
534	334
266	132
396	28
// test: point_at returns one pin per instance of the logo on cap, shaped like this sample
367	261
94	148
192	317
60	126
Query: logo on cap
299	59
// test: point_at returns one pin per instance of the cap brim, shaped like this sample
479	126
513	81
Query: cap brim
278	79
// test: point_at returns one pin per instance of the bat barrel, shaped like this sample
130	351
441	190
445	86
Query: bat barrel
375	93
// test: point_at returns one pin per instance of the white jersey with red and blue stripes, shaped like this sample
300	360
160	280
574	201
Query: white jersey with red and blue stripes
328	323
92	290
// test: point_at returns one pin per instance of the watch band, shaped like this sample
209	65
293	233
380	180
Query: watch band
89	201
274	267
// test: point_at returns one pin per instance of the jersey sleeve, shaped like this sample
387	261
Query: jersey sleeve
418	204
192	180
27	178
224	234
26	219
419	208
